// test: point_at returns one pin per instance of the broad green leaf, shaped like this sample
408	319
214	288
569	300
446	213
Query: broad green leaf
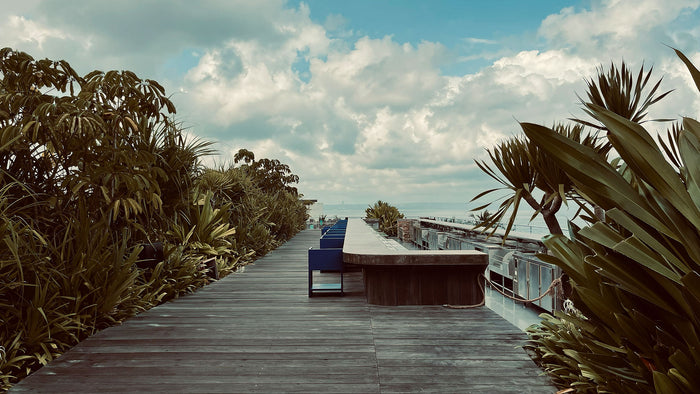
680	380
622	275
652	240
693	71
641	254
689	151
594	177
686	367
640	152
568	256
664	384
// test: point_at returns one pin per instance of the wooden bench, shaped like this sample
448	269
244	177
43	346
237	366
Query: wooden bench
394	275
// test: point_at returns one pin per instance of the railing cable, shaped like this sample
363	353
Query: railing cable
556	283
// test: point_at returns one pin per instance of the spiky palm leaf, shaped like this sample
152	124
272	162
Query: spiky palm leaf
621	92
525	170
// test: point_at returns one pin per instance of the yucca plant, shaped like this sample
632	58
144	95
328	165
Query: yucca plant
204	229
530	175
621	92
636	274
525	171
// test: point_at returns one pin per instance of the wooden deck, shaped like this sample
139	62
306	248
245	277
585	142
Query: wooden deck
258	331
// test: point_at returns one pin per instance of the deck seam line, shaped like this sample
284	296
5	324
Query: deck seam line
374	345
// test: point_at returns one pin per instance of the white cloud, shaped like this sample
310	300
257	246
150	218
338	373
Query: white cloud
379	72
410	128
612	24
18	30
474	40
637	32
531	73
359	118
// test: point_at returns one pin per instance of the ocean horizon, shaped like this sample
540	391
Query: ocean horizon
410	210
444	210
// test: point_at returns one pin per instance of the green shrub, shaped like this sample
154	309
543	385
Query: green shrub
93	167
387	215
265	209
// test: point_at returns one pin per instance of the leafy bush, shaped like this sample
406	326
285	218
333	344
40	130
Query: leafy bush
58	291
635	271
387	215
265	209
91	168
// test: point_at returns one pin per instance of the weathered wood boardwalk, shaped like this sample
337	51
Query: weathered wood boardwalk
257	331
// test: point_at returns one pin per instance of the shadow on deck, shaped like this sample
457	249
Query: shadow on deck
258	331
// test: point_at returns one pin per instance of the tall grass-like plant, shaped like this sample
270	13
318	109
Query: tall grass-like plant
58	291
636	274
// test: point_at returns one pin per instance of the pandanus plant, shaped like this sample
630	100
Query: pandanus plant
636	274
530	175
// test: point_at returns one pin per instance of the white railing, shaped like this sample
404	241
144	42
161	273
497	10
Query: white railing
513	265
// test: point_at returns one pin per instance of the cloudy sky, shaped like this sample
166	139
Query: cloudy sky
367	99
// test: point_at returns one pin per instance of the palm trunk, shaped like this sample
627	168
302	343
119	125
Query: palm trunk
548	212
552	223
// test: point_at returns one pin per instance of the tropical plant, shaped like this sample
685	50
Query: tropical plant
82	159
105	139
269	174
621	92
481	217
57	291
91	167
524	169
263	212
387	215
530	175
204	229
636	274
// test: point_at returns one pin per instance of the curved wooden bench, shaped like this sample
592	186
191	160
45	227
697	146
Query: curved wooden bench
394	275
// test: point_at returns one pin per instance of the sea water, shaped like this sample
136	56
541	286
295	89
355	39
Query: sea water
409	210
458	212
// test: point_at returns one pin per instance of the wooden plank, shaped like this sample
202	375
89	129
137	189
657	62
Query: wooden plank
258	331
200	387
